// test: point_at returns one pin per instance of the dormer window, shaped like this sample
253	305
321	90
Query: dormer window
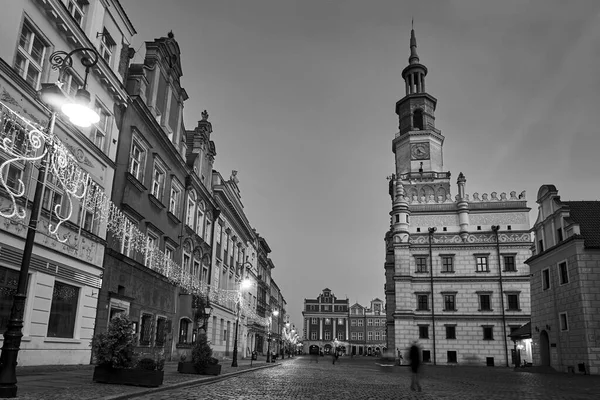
107	46
77	10
418	119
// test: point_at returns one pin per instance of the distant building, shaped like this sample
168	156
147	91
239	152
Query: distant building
455	270
565	299
368	329
325	319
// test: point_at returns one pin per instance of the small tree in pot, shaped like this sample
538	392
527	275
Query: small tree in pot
202	360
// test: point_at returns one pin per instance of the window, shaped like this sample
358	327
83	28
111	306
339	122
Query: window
103	127
160	331
327	335
426	355
421	264
353	322
30	55
452	357
424	332
485	302
450	332
509	263
340	336
208	230
563	273
418	119
137	160
126	245
541	245
313	336
513	302
90	218
447	264
191	211
63	310
353	335
369	322
200	218
314	321
107	46
376	322
71	83
559	234
187	261
377	335
327	321
369	335
546	279
158	180
564	321
175	197
204	277
449	302
196	269
360	336
482	264
423	302
169	251
77	10
152	244
360	322
184	326
488	333
53	195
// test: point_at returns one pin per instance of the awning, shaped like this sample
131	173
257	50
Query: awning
523	332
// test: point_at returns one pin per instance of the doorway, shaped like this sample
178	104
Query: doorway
544	348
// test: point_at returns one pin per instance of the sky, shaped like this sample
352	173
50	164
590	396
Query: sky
301	95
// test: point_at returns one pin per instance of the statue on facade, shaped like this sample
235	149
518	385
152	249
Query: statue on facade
233	178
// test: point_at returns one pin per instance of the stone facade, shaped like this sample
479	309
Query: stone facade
325	320
455	273
368	329
565	281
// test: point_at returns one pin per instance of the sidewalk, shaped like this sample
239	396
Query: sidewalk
74	382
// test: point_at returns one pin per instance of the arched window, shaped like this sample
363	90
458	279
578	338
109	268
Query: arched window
418	119
208	228
184	329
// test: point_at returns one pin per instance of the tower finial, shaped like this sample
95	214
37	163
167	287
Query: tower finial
414	58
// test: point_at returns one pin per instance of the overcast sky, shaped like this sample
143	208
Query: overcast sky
301	95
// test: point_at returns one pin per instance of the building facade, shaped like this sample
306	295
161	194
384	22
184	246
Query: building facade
325	320
565	323
67	268
456	277
368	330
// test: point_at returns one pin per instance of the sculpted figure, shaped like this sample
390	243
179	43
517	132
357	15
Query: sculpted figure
494	196
476	196
484	197
502	196
513	195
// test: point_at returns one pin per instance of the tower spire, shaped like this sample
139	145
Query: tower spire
414	57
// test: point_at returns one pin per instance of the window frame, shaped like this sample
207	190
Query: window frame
488	332
481	303
73	7
450	332
140	164
106	46
423	331
447	268
482	263
158	182
563	320
420	303
175	200
75	316
563	274
152	244
445	297
421	267
103	128
126	243
546	279
508	302
26	53
507	266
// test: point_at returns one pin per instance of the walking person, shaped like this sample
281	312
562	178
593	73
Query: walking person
415	364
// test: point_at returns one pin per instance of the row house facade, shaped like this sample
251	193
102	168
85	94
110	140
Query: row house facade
367	329
326	319
565	322
159	188
455	270
65	276
235	247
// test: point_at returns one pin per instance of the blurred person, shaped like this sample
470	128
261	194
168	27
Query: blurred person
415	365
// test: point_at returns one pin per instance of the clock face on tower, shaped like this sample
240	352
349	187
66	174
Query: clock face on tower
419	151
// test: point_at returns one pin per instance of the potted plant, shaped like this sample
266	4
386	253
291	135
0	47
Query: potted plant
202	360
115	357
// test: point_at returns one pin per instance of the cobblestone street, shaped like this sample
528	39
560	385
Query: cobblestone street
361	378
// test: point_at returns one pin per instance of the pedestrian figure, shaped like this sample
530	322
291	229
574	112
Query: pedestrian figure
415	364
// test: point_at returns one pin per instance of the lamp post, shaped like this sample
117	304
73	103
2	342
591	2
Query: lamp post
431	232
244	284
55	98
274	313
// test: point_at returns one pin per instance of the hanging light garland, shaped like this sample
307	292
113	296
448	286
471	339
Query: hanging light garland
23	141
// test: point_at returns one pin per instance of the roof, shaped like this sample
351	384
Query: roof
523	332
587	215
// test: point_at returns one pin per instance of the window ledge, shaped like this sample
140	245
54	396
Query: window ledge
482	272
509	270
447	272
61	340
23	339
425	309
421	272
173	217
136	183
450	310
156	201
490	310
513	309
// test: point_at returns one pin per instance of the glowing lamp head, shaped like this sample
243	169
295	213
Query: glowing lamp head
276	312
246	283
79	112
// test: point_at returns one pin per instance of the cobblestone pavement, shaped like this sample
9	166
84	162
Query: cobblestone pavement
361	378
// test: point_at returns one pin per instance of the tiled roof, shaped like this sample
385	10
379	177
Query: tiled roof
587	215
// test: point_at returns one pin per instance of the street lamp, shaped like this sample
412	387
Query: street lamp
55	98
274	313
244	284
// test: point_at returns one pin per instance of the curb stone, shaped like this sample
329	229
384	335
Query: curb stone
192	382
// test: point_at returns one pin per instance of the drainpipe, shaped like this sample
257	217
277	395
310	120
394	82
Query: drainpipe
496	228
431	232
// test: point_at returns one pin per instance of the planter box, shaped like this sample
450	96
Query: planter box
188	368
121	376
